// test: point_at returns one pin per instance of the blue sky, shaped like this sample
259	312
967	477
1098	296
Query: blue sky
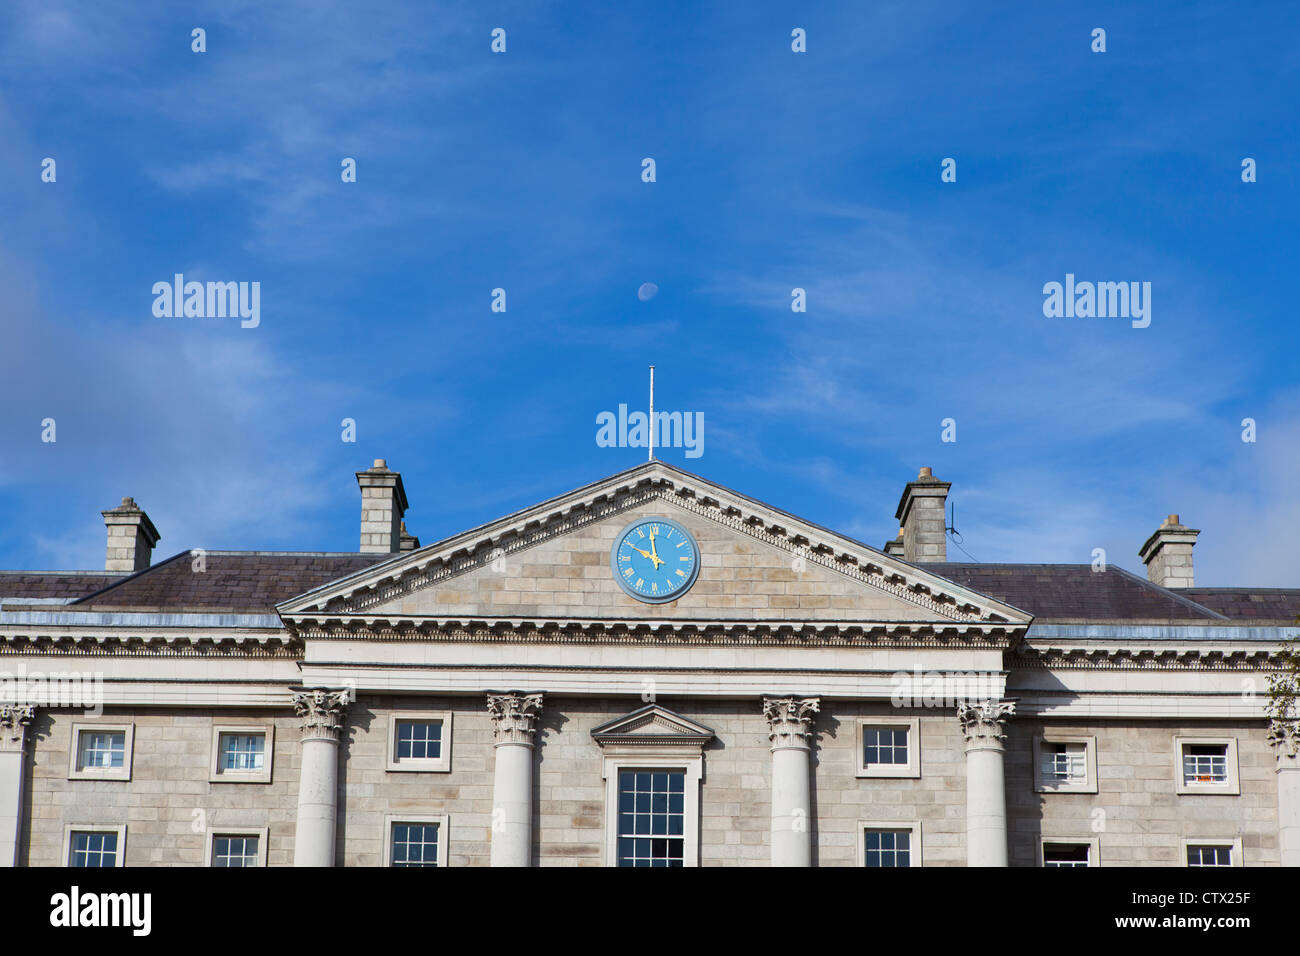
775	170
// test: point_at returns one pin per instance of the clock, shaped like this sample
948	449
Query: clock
655	560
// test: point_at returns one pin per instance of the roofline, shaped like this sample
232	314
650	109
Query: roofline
1186	601
131	577
630	473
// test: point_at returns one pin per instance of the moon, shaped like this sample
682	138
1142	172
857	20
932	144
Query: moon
647	291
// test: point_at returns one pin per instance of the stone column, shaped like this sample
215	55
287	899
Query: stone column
14	719
322	713
790	720
986	789
513	719
1284	735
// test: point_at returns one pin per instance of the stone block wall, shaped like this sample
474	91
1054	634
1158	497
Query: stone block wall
169	800
1143	818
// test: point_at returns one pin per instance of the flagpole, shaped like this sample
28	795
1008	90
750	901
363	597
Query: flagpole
652	414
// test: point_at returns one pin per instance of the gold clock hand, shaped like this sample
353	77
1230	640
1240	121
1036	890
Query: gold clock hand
654	553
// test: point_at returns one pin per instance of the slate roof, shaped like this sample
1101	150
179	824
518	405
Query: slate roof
252	582
1259	604
1076	592
53	584
256	581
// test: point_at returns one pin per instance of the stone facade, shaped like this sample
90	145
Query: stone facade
757	689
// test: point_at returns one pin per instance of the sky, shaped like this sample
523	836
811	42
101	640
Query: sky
775	170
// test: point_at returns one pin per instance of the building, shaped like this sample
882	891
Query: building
650	670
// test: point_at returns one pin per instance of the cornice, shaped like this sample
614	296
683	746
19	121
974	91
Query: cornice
279	644
1129	657
475	549
659	631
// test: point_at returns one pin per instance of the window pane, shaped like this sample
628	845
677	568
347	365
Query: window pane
887	848
1063	763
651	805
234	851
419	739
1209	855
1065	854
93	849
242	751
1205	763
102	749
884	746
415	844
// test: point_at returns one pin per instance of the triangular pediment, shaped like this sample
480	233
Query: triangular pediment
551	562
652	725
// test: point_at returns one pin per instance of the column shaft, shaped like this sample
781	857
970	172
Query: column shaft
14	719
513	719
322	714
790	720
1284	735
986	791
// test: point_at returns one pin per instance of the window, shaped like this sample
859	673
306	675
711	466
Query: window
1207	764
1212	852
94	846
889	844
889	748
416	841
101	752
419	742
237	847
1069	852
1064	764
242	754
651	817
652	767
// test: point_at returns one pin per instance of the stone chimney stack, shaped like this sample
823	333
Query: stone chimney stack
131	537
896	545
1168	554
922	514
383	502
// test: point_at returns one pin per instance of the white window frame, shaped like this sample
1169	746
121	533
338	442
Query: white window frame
913	766
71	828
444	833
217	775
262	834
914	856
420	765
1234	844
691	764
76	772
1231	787
1093	844
1087	785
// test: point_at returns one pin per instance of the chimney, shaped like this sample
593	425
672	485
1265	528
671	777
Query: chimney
896	545
409	542
922	515
383	502
131	537
1168	554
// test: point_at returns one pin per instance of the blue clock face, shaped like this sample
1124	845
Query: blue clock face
655	560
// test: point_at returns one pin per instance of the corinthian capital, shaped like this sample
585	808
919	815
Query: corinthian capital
1284	735
514	716
14	719
321	712
790	720
982	722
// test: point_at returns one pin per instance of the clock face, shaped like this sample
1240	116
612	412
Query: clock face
655	560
